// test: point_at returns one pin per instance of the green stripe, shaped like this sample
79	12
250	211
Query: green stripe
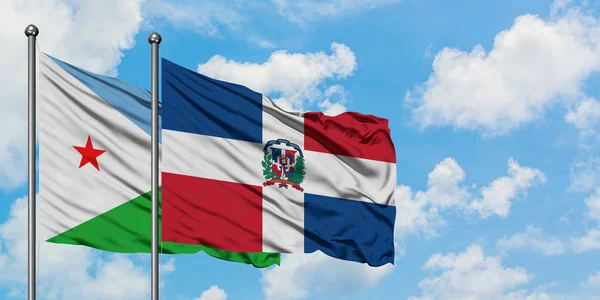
127	229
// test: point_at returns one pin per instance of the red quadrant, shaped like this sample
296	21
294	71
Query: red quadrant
209	212
349	134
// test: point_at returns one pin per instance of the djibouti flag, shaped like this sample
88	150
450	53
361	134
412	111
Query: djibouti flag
95	164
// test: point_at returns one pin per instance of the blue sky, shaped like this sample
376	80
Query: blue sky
493	110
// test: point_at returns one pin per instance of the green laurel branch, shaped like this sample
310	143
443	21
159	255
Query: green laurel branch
299	171
266	163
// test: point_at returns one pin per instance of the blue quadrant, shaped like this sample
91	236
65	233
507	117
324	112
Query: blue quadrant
194	103
349	230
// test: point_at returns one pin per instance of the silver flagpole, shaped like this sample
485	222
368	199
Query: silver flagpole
31	32
154	40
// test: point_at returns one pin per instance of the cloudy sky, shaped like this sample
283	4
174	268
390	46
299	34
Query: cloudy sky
494	111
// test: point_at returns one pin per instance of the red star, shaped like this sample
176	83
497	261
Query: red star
89	154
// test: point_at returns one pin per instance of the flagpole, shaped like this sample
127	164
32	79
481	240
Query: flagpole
154	40
31	32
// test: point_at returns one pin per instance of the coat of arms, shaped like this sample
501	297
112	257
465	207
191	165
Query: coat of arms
283	164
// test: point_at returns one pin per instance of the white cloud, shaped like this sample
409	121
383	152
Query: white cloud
261	42
420	211
532	66
295	77
585	175
66	27
302	11
593	282
559	6
204	16
586	116
168	267
333	104
532	239
213	18
443	184
593	206
83	273
209	18
428	51
589	242
524	295
303	274
117	278
470	275
213	293
331	109
496	197
415	214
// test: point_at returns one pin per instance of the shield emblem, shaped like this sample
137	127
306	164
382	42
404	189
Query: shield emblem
283	162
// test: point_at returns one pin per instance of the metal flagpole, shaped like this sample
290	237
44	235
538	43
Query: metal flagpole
154	40
31	32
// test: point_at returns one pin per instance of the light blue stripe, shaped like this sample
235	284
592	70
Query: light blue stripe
131	101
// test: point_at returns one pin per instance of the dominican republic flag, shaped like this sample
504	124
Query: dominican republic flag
241	174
